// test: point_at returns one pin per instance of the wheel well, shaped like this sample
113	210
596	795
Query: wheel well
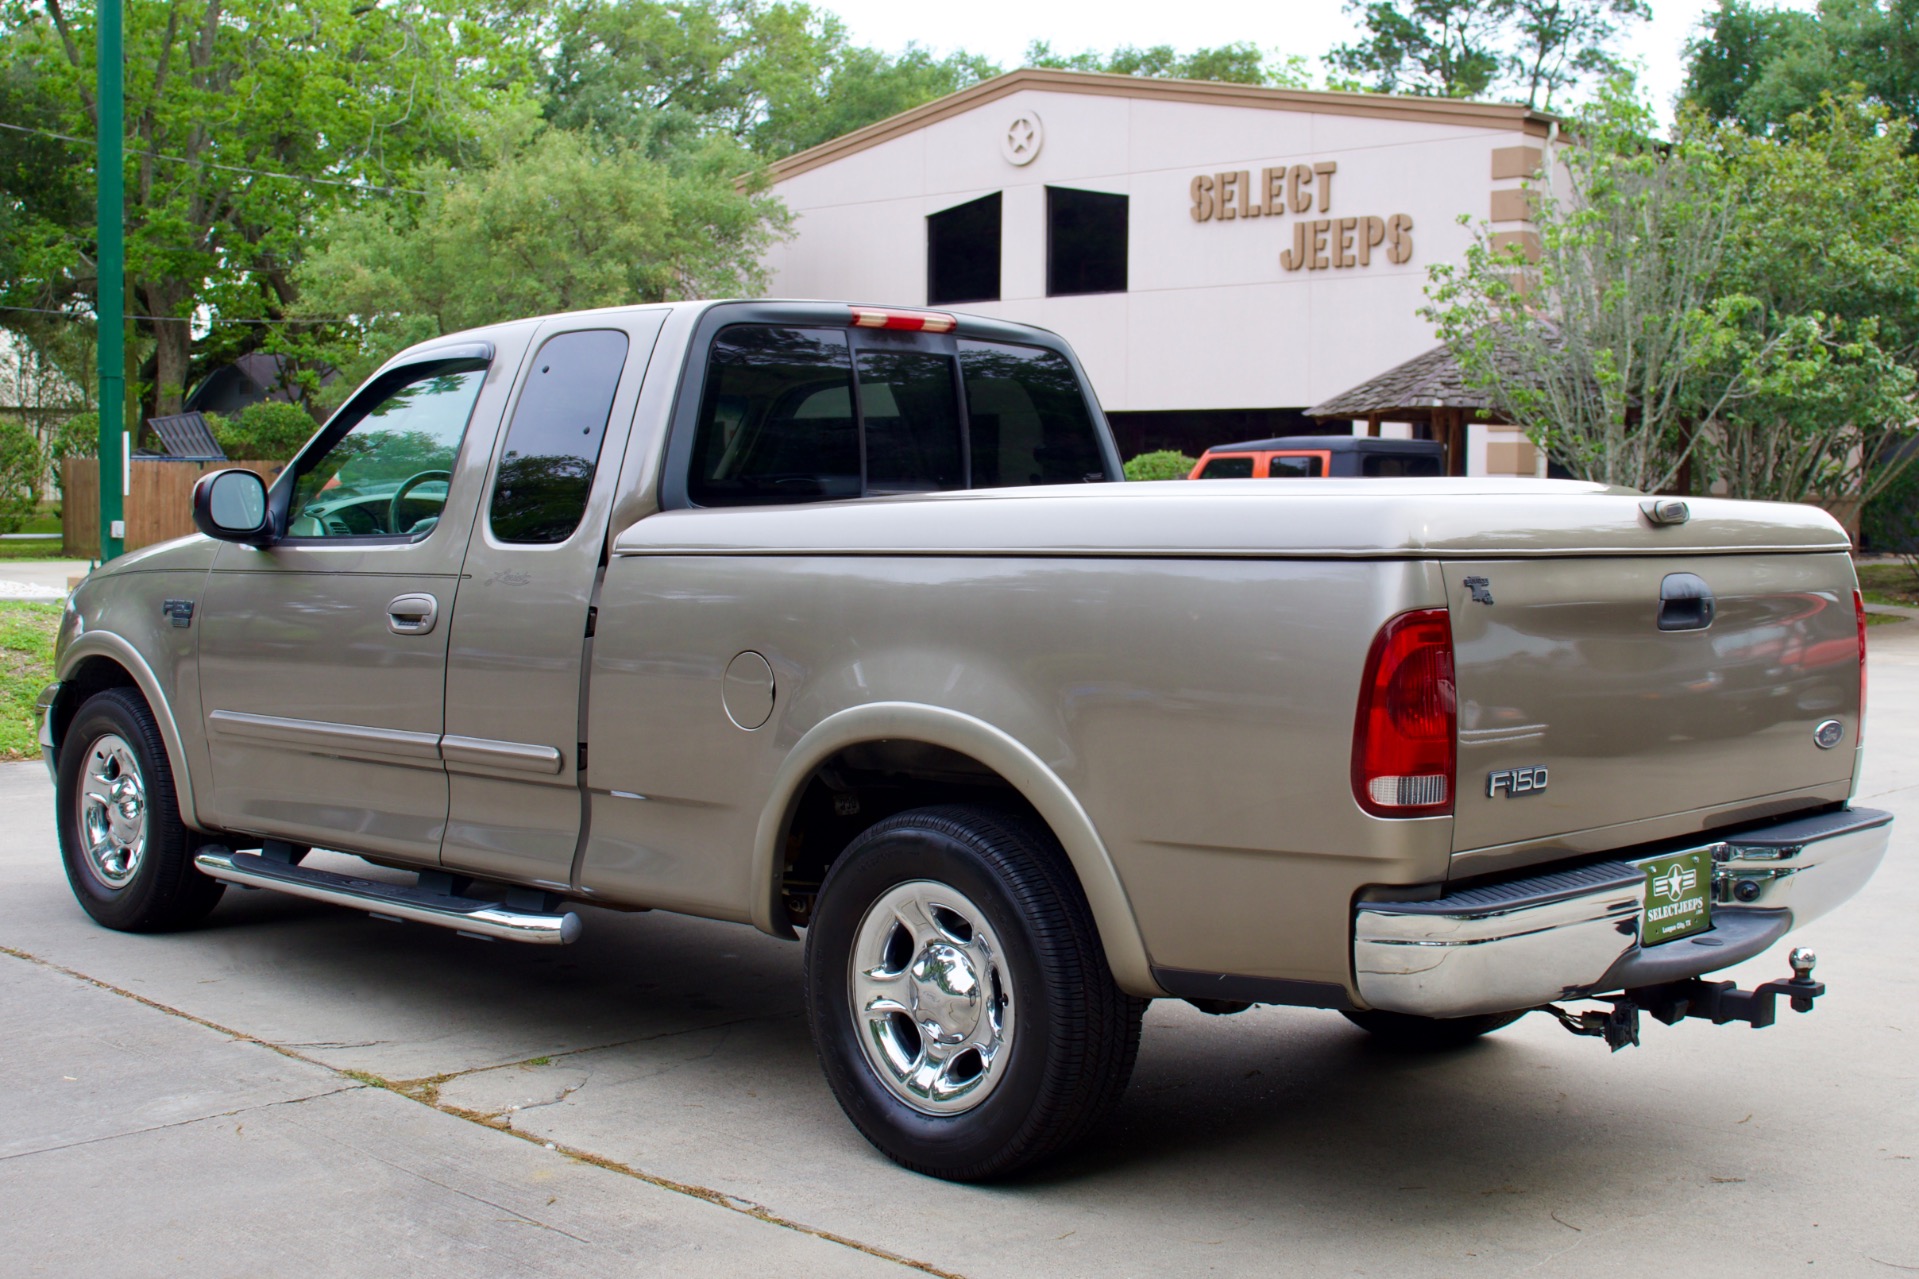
862	785
93	675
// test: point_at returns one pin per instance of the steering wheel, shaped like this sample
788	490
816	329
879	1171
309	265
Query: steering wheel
407	486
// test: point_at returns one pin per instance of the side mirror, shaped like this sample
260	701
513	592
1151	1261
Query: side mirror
232	506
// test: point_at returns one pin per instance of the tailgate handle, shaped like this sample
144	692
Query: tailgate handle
1685	603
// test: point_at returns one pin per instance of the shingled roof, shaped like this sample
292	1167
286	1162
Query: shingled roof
1425	382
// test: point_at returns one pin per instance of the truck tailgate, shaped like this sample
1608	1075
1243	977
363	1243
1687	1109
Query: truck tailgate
1562	665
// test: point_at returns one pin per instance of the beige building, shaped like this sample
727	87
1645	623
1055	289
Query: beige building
1223	257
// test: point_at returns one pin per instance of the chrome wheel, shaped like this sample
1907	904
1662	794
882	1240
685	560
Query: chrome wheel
931	997
112	812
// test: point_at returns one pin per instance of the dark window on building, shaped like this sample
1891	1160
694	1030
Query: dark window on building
1085	242
776	420
1296	467
553	445
1398	464
962	253
1227	468
910	405
1027	417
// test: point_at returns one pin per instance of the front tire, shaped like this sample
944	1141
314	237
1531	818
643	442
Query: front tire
959	998
128	856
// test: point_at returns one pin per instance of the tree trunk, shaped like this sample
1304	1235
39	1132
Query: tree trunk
173	346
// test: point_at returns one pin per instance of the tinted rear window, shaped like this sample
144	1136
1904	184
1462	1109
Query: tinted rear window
1029	420
782	411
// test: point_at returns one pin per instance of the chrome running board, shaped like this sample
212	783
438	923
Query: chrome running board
409	902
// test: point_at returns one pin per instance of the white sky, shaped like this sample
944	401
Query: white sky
1001	29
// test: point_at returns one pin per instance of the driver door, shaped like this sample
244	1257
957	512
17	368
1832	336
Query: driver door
323	656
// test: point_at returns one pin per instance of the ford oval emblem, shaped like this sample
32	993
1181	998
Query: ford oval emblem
1829	734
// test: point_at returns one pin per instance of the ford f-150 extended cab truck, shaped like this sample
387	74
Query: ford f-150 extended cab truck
837	620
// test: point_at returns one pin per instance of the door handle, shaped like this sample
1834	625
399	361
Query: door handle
412	614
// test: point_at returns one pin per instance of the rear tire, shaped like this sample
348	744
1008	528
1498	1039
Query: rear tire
1404	1032
129	857
959	998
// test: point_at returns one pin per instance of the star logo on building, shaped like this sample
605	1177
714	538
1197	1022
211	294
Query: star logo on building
1022	139
1675	883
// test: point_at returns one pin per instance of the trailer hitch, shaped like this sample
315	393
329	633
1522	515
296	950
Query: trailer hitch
1719	1002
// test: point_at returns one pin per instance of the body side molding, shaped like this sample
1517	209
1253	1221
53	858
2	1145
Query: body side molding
1006	755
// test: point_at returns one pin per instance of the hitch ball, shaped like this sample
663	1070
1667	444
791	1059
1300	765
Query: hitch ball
1802	960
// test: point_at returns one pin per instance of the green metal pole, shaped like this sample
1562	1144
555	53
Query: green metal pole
111	304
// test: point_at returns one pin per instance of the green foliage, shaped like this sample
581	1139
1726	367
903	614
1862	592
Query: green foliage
1758	66
1594	349
1889	523
1748	304
859	87
354	96
1240	63
26	667
23	471
270	431
562	224
1166	464
1528	50
78	436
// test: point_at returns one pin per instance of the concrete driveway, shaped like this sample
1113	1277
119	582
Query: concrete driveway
298	1088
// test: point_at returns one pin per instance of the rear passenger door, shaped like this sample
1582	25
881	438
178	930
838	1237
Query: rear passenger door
521	630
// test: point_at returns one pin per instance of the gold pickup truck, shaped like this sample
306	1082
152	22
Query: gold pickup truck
838	620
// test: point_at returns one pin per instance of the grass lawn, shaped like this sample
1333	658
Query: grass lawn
26	667
39	548
1889	582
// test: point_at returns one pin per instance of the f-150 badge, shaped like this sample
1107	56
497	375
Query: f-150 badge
1515	781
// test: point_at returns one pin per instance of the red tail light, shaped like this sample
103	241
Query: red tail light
873	317
1403	740
1859	610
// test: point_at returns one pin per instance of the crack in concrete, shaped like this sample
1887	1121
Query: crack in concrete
425	1091
177	1123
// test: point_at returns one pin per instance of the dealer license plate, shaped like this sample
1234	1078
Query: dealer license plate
1678	897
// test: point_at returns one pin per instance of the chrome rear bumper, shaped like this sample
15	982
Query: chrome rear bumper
1575	933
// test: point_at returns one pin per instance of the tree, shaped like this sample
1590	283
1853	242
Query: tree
562	223
245	119
1746	305
1596	348
860	86
1820	298
1240	63
1758	67
1526	49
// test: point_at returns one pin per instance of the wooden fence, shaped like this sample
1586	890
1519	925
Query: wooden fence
158	504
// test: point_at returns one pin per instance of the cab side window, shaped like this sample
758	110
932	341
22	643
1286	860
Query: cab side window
1228	468
1295	466
553	444
387	476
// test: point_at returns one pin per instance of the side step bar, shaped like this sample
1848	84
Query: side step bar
467	915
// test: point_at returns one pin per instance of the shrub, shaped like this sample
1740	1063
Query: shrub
1166	464
270	431
78	436
23	468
